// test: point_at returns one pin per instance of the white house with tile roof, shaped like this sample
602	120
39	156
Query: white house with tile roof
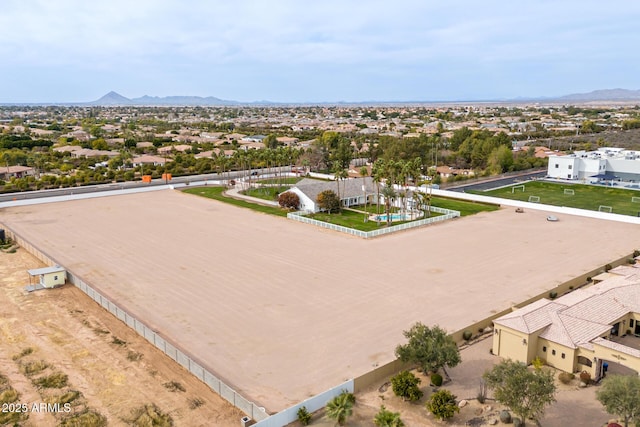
579	331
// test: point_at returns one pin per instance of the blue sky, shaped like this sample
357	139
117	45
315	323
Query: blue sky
316	51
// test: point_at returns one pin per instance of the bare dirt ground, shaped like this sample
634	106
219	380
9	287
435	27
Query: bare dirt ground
282	311
115	370
574	406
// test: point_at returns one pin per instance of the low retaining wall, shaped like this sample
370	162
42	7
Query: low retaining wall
164	344
312	404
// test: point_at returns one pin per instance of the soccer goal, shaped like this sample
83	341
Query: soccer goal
604	208
569	192
534	199
517	187
635	199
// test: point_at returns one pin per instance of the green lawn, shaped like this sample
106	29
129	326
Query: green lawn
266	193
351	219
216	193
589	197
285	180
464	207
346	218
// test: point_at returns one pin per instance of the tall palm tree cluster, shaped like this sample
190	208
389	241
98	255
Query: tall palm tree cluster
396	175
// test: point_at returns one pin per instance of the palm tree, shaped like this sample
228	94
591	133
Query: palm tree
340	407
377	173
389	193
364	172
339	174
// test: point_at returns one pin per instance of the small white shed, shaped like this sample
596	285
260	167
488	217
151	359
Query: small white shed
48	277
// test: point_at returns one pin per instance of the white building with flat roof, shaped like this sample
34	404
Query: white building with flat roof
606	164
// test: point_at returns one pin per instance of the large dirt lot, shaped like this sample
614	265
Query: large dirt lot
282	310
115	370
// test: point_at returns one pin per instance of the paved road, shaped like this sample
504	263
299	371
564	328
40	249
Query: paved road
127	185
499	182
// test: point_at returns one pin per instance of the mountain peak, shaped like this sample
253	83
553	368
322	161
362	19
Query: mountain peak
112	98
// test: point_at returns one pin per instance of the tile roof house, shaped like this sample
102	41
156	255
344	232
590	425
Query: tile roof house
8	172
148	160
579	331
351	192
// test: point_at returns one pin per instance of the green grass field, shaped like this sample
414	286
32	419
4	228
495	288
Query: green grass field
589	197
346	218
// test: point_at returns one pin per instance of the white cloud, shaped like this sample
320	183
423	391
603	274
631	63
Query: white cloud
419	41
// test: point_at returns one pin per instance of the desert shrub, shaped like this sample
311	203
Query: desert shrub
27	351
87	418
537	363
133	356
118	341
405	385
553	295
482	391
174	386
636	253
607	267
631	261
57	380
566	377
442	405
9	395
589	279
436	380
466	335
585	377
33	367
149	415
289	200
304	416
67	397
196	402
386	418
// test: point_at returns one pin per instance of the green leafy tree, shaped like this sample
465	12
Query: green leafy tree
340	407
386	418
620	395
442	404
405	385
429	348
525	392
271	141
328	201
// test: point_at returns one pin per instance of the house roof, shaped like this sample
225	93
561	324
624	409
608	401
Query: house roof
15	169
149	159
348	187
617	347
45	270
578	318
530	318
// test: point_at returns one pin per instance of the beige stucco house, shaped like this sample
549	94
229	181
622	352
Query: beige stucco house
580	331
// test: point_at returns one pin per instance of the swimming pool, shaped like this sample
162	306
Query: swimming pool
394	217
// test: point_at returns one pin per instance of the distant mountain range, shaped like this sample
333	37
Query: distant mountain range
604	95
114	98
